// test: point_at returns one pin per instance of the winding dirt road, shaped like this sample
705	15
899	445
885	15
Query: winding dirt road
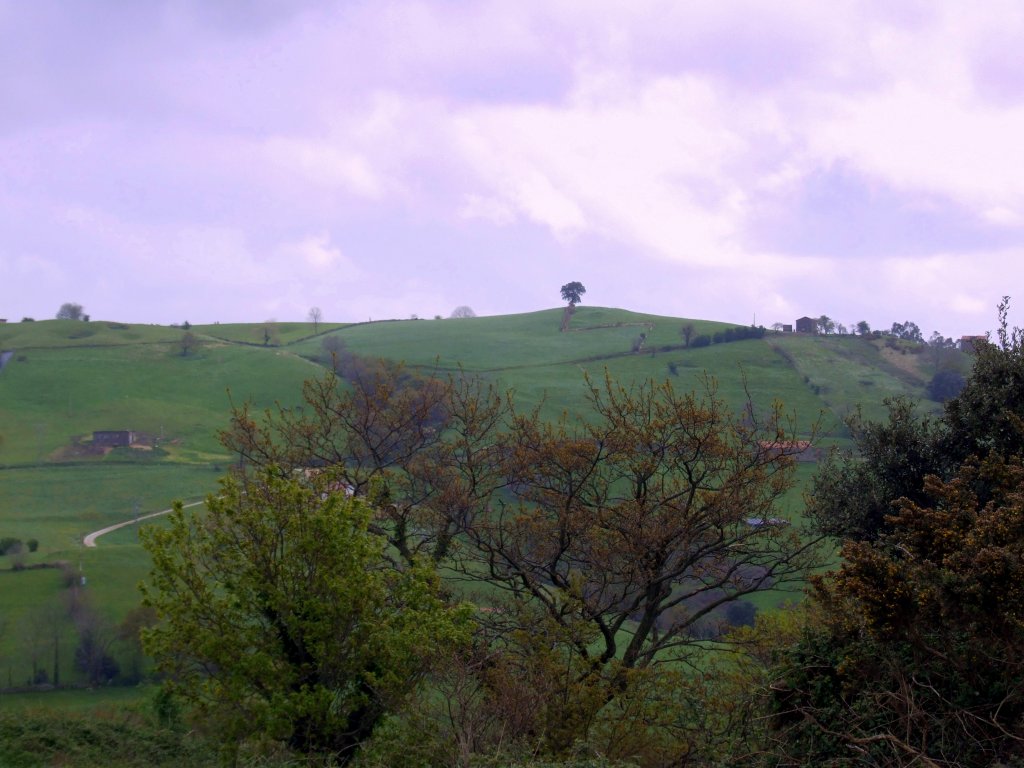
90	538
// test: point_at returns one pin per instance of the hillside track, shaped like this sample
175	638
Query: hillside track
90	538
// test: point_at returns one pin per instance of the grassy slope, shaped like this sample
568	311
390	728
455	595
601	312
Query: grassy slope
813	376
68	379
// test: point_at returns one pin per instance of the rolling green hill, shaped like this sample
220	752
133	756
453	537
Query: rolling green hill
66	379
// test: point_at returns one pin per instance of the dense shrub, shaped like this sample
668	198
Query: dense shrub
945	385
10	545
736	333
118	737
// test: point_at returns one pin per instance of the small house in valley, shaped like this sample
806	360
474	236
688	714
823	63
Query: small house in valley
113	438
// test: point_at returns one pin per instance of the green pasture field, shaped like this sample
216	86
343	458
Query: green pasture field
819	380
845	372
25	337
57	505
52	398
67	379
497	344
253	334
79	699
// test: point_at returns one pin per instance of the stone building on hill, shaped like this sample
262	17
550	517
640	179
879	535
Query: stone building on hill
806	325
113	438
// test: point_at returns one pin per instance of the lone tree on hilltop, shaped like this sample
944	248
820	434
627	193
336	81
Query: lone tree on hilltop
463	311
315	316
70	311
573	293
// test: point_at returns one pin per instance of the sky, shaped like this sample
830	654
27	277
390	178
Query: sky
242	161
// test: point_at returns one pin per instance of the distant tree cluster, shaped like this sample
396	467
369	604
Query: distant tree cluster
462	311
10	545
736	333
945	385
908	331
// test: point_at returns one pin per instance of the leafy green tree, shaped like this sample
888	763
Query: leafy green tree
573	293
853	491
908	331
70	311
279	620
988	413
945	385
863	329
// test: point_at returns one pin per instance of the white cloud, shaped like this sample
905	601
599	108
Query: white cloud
488	209
657	132
658	166
323	162
217	255
317	253
1003	217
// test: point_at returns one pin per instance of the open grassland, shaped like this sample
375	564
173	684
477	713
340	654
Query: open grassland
51	399
73	333
57	505
67	379
79	699
264	334
498	344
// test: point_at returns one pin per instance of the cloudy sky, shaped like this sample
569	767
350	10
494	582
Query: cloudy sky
242	160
